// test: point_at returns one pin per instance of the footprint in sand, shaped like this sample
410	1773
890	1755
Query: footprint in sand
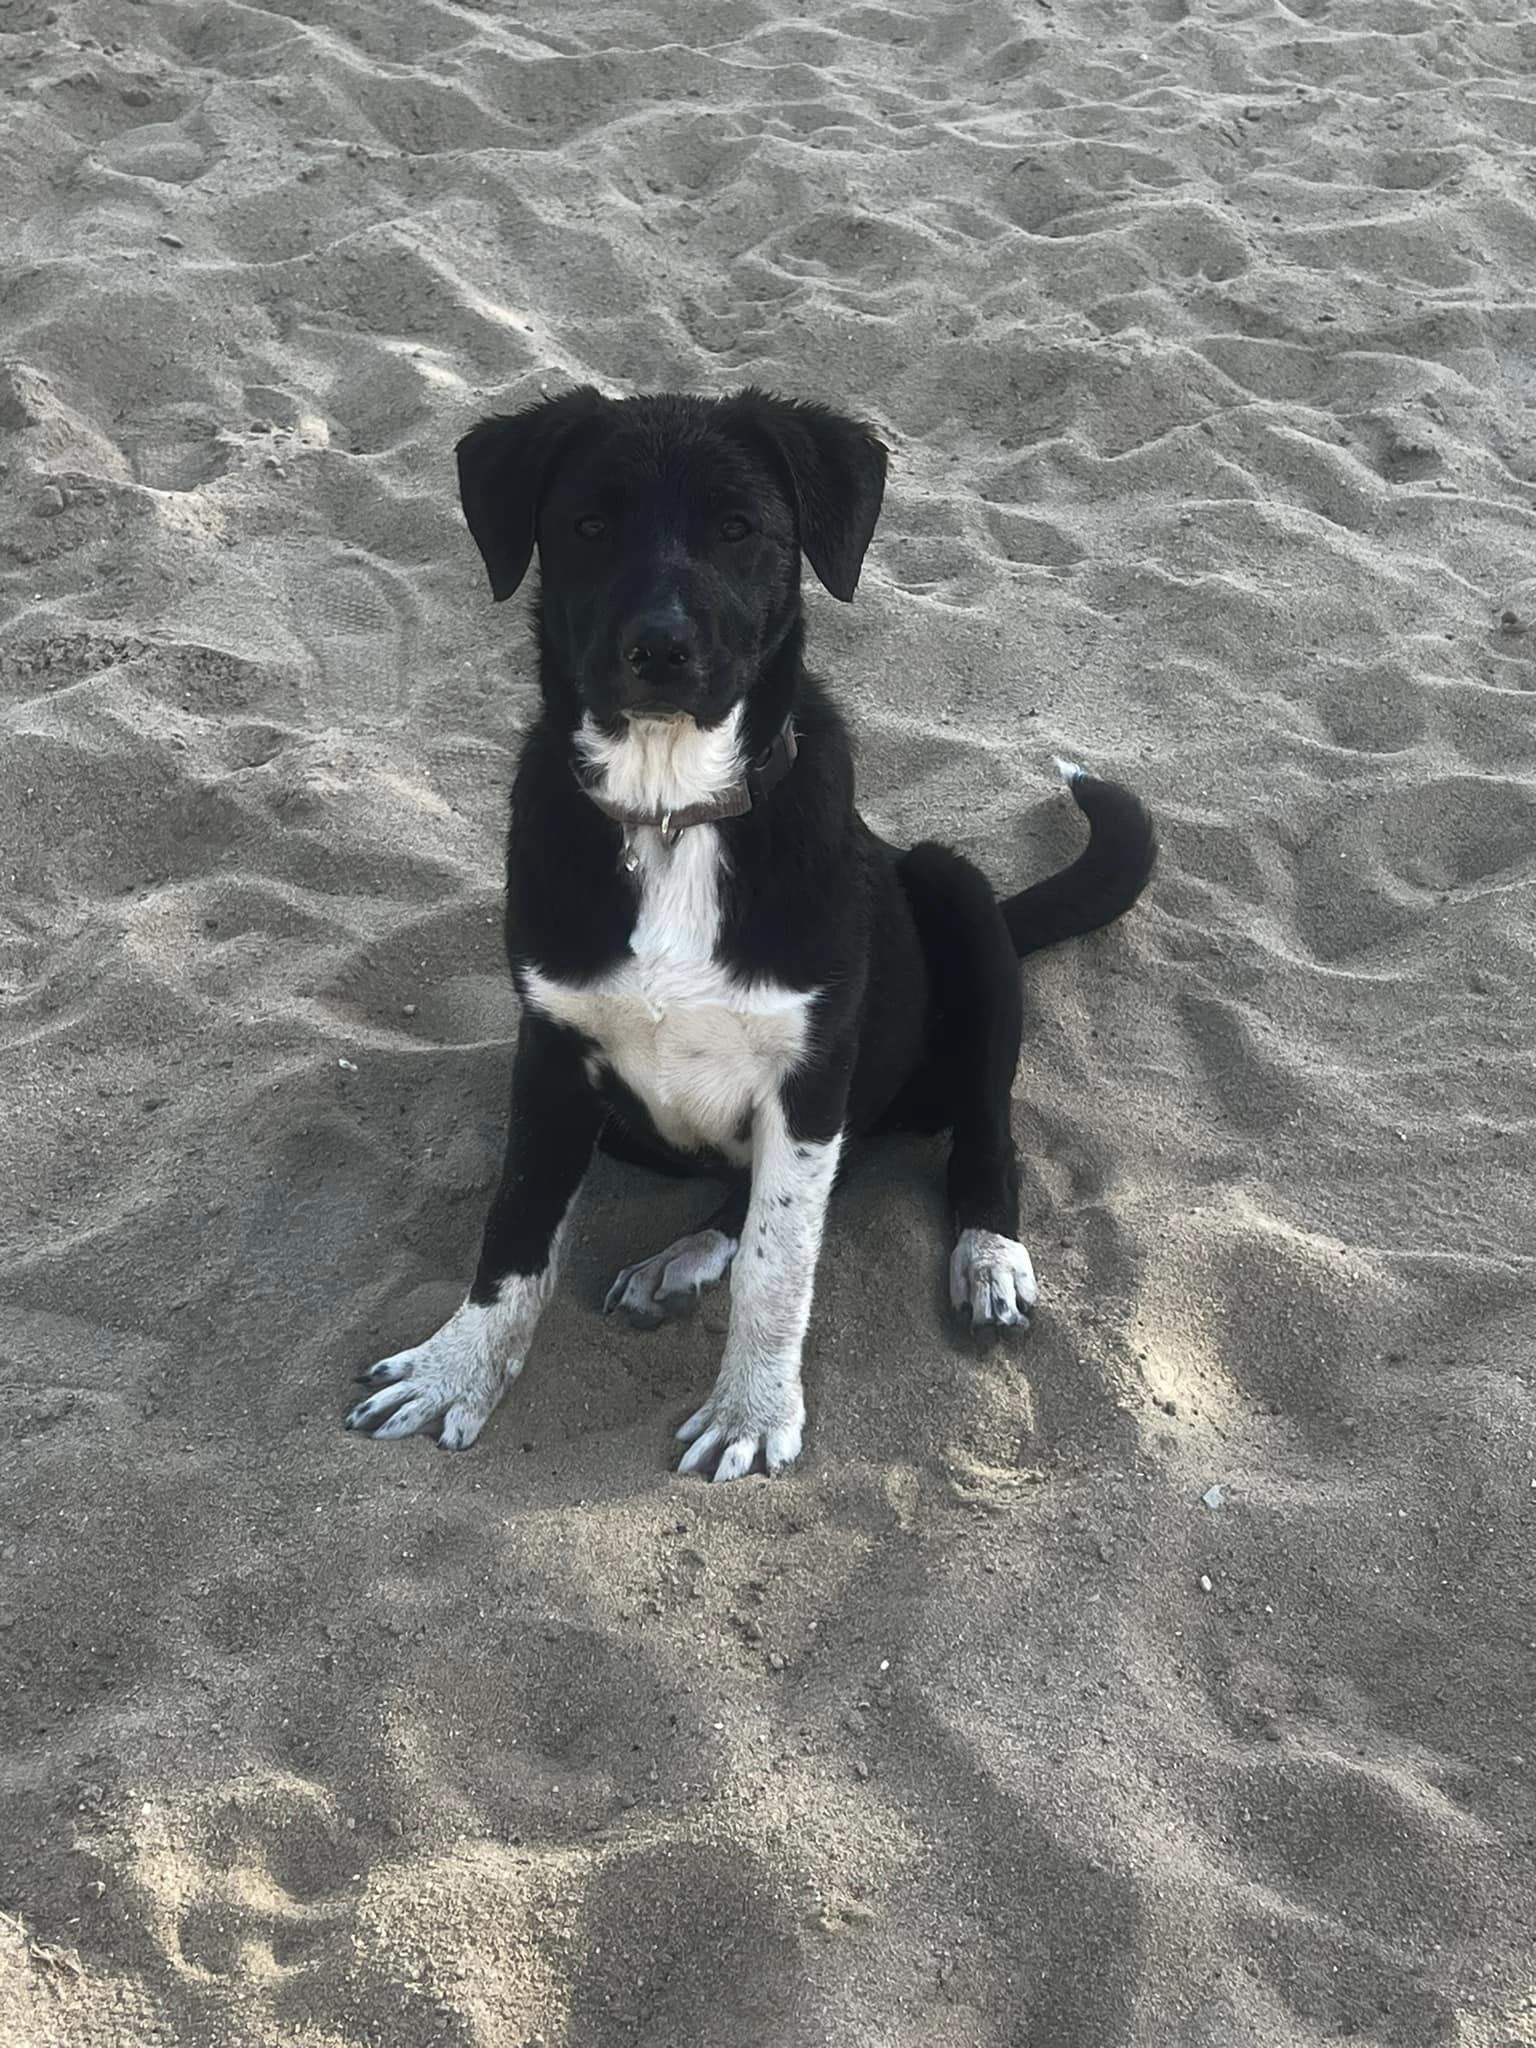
96	105
1244	1065
942	566
359	622
1371	708
1021	537
1244	1316
272	1886
178	459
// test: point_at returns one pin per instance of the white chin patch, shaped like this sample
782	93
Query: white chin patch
664	763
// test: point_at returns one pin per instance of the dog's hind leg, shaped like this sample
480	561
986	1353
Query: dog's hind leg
975	1025
668	1285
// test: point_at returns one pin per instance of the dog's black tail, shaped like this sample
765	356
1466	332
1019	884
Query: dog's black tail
1105	879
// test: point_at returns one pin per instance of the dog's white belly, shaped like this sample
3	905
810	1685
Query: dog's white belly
698	1048
699	1051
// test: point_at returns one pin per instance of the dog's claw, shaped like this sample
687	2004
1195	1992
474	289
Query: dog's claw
699	1450
718	1436
451	1382
695	1425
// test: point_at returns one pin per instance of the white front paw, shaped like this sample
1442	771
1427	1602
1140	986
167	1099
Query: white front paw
993	1278
745	1418
670	1284
452	1381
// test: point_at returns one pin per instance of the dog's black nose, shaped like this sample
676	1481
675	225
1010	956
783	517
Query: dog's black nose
661	647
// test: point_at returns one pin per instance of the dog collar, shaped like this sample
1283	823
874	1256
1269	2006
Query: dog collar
762	774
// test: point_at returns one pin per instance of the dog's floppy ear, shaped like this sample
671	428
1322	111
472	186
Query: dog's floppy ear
504	465
835	468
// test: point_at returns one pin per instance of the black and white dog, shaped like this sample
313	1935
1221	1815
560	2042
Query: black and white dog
720	966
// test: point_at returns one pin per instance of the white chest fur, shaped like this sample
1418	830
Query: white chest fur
700	1049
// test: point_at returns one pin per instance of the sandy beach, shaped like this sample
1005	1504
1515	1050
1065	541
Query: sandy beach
1165	1681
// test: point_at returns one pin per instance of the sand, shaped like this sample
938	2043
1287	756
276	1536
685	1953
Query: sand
1204	341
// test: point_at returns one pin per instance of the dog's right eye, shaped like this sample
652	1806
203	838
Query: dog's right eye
591	527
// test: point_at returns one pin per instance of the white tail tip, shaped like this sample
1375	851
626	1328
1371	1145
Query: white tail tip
1069	771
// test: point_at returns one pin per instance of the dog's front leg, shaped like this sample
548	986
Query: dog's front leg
757	1408
454	1379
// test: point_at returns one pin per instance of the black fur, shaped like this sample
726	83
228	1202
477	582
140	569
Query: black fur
670	532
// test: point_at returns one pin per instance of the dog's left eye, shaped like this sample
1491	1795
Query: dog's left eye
591	527
734	528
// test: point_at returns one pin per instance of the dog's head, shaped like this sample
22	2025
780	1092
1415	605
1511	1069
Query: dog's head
669	533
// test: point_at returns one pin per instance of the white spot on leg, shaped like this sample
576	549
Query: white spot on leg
993	1278
756	1408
